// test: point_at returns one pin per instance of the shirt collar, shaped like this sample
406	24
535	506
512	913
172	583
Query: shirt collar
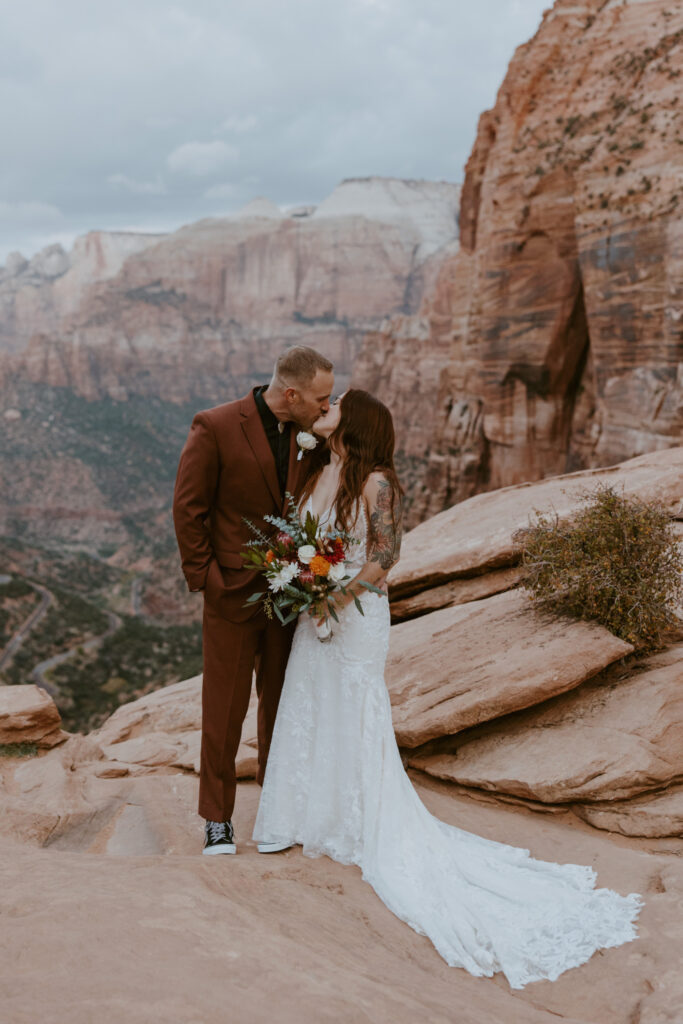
265	409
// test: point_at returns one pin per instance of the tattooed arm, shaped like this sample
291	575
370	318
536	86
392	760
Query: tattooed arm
384	539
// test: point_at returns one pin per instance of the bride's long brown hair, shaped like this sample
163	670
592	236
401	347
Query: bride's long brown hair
366	435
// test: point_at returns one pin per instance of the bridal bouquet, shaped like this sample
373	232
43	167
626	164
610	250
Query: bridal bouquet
304	565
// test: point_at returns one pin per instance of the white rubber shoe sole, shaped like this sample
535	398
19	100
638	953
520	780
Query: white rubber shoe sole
273	847
223	848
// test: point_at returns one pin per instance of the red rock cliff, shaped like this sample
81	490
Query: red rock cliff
552	340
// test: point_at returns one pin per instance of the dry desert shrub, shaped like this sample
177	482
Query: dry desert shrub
615	561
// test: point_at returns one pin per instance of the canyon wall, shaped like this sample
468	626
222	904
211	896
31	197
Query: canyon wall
552	339
201	313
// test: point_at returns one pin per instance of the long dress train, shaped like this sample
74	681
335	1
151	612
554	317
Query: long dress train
335	784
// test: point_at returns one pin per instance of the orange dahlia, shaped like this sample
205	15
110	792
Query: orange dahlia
270	555
319	565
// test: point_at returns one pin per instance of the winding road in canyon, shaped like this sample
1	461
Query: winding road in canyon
38	672
46	599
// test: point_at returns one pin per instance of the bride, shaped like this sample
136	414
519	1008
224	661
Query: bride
335	782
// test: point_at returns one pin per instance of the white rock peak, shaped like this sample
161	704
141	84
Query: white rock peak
427	208
430	208
260	206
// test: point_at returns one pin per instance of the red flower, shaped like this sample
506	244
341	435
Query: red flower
337	553
306	576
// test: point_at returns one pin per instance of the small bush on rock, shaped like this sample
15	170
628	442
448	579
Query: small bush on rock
616	561
23	749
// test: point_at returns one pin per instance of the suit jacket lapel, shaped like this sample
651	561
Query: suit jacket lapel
294	464
256	436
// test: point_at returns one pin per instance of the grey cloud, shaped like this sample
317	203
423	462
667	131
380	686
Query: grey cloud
152	188
202	159
151	115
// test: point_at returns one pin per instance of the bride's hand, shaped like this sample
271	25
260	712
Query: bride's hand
321	611
317	612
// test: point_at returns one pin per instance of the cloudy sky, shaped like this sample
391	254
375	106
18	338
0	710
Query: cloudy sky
145	114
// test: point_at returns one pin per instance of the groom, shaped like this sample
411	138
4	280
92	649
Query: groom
238	461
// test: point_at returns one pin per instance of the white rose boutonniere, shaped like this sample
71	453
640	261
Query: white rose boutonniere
306	443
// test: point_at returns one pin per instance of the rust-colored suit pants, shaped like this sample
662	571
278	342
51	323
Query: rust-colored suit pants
231	652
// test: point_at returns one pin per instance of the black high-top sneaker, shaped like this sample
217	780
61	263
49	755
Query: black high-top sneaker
219	837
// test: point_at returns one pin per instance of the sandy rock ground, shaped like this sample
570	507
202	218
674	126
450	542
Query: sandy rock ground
122	920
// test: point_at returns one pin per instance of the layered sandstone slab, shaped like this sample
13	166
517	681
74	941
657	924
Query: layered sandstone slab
457	591
29	715
175	709
471	663
650	814
477	534
609	739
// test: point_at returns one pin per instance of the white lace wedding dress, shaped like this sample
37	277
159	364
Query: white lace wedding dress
335	784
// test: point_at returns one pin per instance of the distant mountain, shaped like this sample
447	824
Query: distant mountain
201	313
107	351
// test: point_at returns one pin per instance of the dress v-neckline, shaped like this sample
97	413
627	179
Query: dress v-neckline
326	514
321	515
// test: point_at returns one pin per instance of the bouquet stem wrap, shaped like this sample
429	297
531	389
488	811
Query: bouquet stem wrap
323	630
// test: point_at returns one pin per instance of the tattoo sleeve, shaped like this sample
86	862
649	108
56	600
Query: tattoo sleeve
385	538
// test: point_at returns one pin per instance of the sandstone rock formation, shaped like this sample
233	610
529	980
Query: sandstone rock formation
202	312
108	351
610	739
476	535
38	294
29	715
456	591
658	813
477	661
553	337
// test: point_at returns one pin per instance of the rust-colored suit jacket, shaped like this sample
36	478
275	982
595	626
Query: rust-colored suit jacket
227	472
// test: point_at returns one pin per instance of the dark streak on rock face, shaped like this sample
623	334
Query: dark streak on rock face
555	333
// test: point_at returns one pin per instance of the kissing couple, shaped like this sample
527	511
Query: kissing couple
331	773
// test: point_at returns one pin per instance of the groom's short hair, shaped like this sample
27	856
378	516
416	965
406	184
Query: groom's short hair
299	365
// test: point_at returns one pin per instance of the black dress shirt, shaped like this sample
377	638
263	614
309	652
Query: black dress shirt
278	441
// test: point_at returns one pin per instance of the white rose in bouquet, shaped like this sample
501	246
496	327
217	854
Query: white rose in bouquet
305	553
